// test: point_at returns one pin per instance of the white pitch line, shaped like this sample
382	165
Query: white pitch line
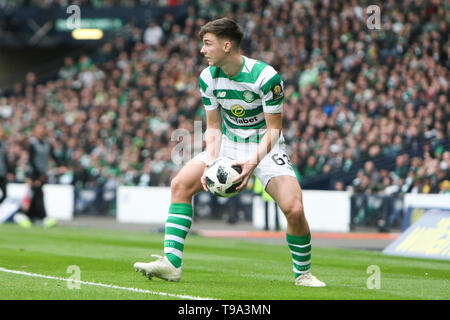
36	275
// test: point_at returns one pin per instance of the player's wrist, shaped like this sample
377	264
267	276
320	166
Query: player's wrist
253	161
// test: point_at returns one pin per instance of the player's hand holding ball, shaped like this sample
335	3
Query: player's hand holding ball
247	169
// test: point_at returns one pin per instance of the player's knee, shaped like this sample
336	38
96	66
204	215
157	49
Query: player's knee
176	186
295	213
179	188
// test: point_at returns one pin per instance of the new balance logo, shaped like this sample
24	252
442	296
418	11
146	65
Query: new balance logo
221	94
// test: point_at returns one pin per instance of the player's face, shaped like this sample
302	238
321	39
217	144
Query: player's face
213	49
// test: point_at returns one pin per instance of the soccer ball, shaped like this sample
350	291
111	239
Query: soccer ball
219	177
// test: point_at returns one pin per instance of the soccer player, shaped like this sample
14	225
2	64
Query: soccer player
243	101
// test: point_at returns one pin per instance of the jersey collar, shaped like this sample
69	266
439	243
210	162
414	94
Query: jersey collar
244	59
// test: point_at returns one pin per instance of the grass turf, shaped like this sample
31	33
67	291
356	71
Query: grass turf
213	268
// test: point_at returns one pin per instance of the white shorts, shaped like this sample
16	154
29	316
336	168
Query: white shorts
274	164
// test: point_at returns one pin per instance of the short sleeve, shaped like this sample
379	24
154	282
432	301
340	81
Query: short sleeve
272	91
205	83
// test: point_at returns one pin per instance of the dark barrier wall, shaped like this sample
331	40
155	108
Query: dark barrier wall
22	22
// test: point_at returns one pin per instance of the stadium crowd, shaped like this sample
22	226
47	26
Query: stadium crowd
46	4
351	94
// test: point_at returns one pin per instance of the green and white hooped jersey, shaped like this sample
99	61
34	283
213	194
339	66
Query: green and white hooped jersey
243	99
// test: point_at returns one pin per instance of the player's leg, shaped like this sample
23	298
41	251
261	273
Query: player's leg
183	186
279	180
286	191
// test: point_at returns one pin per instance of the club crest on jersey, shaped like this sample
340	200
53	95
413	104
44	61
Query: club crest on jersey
237	110
248	96
277	92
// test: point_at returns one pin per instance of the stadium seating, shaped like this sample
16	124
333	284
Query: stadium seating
352	95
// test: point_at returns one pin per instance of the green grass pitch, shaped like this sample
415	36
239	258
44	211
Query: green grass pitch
213	268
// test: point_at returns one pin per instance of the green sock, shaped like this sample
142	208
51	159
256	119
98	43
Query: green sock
300	248
177	226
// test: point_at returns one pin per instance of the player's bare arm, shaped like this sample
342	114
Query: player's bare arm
213	137
273	122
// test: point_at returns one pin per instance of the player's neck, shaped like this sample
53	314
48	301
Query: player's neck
233	66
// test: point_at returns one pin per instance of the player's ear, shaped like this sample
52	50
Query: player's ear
227	46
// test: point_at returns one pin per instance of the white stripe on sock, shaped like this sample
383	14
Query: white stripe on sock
179	216
174	251
299	245
304	263
173	238
177	226
300	254
298	271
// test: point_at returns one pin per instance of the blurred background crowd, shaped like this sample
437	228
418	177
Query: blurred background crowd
46	4
355	98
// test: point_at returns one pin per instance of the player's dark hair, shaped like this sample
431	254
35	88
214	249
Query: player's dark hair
224	28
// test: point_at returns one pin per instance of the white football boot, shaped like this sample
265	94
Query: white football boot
308	280
160	268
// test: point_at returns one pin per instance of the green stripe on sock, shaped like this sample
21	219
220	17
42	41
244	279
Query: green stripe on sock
305	249
180	221
181	208
173	244
176	232
174	260
299	240
301	258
